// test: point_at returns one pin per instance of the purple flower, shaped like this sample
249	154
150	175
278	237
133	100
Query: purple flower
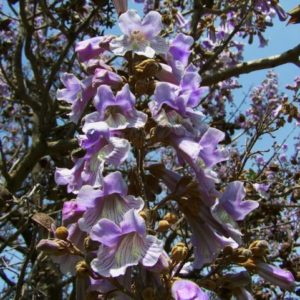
71	212
208	237
262	189
110	202
101	147
141	37
70	177
123	246
92	47
230	208
232	203
187	290
203	153
118	112
183	98
178	55
276	276
77	93
104	76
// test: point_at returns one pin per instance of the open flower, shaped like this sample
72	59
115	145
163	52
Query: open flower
111	202
141	37
92	47
101	147
125	245
232	201
177	58
77	93
118	112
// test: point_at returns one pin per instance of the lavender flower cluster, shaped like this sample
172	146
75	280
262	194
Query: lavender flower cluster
109	237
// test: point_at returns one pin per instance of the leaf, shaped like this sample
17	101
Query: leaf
43	219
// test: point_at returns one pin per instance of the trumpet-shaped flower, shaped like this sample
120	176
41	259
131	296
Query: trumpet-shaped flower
125	245
140	36
77	93
110	202
100	148
92	47
118	112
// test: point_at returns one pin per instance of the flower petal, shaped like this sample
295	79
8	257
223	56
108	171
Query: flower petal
152	24
130	21
106	232
152	250
187	290
232	202
116	152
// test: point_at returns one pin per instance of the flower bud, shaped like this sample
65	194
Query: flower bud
171	218
276	276
179	252
147	68
61	233
241	255
82	268
163	225
259	248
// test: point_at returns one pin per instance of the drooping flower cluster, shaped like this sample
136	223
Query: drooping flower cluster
112	226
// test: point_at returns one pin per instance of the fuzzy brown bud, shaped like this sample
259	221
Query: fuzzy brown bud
179	252
163	226
147	68
241	255
62	233
259	248
171	218
82	268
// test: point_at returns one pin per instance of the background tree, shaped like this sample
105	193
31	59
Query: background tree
44	62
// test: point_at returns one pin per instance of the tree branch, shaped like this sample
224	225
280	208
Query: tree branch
290	56
18	175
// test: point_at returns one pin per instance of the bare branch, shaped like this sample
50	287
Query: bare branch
290	56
